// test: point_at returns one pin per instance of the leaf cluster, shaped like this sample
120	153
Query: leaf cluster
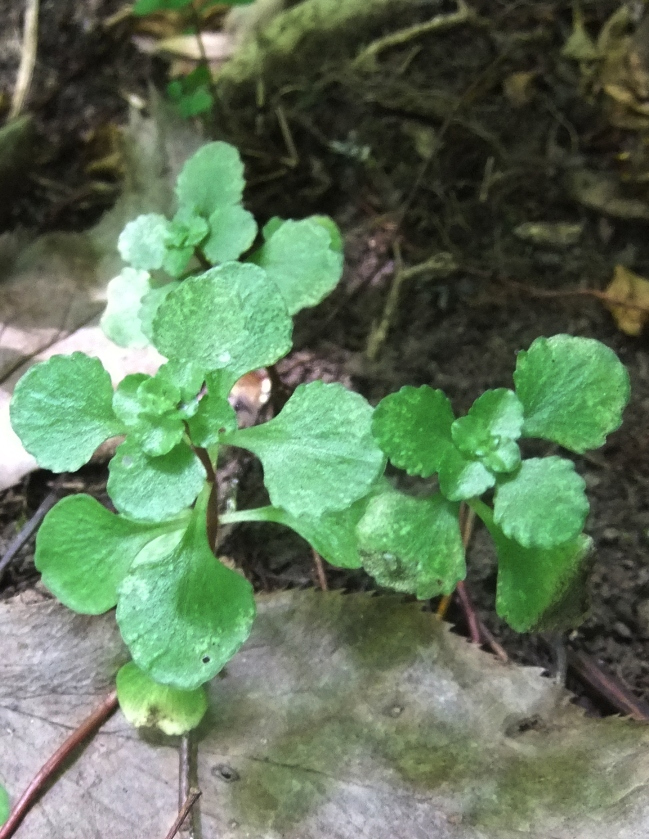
181	611
569	391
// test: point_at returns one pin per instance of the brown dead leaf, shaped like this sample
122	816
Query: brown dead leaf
632	291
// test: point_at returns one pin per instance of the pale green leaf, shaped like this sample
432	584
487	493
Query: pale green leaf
541	588
148	704
181	612
461	477
154	488
301	261
185	376
318	454
573	391
142	243
544	504
412	544
147	407
62	411
211	178
83	552
229	318
232	232
151	302
176	260
187	229
413	427
121	319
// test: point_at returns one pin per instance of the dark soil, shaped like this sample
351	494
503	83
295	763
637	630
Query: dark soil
425	154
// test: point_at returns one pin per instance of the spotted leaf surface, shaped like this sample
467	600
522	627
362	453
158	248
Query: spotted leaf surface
62	411
319	454
573	391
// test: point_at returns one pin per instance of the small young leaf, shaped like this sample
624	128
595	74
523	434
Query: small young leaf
187	377
214	417
229	318
181	612
62	411
543	504
121	319
83	552
300	259
573	391
142	243
211	178
495	415
154	489
187	229
541	588
4	805
147	407
148	704
413	427
461	478
318	454
412	544
232	231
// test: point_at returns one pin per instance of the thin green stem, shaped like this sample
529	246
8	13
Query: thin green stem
482	510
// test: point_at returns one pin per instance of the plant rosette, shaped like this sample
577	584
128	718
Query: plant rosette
182	613
569	391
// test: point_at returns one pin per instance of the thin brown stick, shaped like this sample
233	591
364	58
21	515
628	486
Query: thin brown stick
319	570
28	530
187	783
191	799
575	292
494	646
54	764
469	613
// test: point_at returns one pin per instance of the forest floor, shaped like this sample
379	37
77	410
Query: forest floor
443	148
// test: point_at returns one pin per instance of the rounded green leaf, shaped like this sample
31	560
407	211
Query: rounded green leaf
121	319
229	318
232	231
214	416
148	704
181	612
4	805
62	411
301	261
573	391
83	552
494	416
151	302
461	478
154	488
319	454
413	427
412	544
211	178
544	504
142	243
541	588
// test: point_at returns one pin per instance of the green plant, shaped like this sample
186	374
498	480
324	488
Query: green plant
191	94
181	612
568	390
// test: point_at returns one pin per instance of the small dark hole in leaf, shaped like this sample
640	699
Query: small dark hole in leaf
206	659
225	772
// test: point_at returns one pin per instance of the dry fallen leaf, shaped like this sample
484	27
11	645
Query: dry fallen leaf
630	289
343	716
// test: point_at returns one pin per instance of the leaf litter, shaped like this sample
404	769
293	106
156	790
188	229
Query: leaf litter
342	713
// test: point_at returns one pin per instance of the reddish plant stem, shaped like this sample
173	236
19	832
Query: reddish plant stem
192	798
52	766
319	570
469	613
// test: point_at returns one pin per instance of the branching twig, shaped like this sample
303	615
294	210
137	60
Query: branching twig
49	769
187	788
